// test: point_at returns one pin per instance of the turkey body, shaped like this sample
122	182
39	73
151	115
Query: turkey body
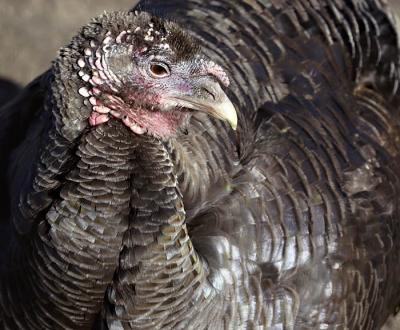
291	222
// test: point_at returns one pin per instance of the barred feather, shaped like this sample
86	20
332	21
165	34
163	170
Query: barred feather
292	222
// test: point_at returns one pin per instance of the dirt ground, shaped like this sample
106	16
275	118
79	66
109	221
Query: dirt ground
31	32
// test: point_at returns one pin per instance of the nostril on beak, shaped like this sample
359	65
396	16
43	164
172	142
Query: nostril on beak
207	92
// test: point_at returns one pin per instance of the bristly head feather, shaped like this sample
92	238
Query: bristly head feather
145	71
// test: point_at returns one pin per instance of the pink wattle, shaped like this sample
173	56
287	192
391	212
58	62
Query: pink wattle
162	124
158	123
98	118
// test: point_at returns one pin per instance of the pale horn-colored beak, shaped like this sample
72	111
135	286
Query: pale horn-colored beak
217	104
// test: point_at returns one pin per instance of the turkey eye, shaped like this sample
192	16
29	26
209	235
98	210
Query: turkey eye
159	70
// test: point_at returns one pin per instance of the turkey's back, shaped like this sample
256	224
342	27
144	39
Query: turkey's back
8	91
321	152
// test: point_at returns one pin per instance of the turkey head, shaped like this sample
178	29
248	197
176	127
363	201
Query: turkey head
148	73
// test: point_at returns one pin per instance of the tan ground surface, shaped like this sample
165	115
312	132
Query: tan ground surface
31	31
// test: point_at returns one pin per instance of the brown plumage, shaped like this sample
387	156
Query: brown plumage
125	222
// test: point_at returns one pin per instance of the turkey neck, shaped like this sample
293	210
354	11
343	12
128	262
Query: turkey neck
159	270
61	274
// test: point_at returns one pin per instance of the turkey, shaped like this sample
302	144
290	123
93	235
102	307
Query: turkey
8	90
207	165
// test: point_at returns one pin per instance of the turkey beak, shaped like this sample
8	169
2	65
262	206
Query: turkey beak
215	102
221	106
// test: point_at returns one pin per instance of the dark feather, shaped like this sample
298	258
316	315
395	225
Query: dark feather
291	222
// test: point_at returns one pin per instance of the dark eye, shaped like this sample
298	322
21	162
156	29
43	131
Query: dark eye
159	70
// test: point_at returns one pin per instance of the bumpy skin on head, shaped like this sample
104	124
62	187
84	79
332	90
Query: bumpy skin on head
148	73
292	223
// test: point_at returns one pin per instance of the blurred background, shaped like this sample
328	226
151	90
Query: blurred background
31	31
